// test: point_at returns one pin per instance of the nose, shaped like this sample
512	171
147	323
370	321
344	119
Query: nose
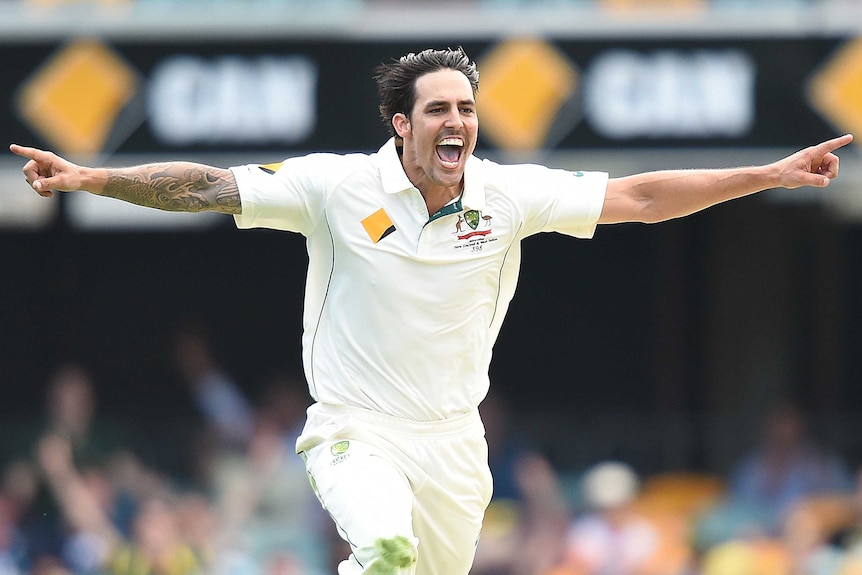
454	119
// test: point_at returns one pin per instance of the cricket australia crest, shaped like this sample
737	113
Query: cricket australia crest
477	224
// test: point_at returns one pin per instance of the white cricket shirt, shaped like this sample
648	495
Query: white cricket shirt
402	309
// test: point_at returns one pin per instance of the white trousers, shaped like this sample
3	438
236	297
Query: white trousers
381	477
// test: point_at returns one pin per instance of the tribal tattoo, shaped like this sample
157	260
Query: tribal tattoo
176	186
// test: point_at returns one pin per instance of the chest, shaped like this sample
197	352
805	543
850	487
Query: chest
389	227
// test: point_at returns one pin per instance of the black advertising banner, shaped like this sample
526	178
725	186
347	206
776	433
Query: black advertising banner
93	97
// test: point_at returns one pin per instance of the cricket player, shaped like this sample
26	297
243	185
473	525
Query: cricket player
414	254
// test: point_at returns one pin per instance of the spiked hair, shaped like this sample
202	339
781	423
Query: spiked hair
396	82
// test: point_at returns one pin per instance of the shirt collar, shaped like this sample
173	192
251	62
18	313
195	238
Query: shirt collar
395	180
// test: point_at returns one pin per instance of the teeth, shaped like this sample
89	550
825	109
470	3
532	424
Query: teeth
451	142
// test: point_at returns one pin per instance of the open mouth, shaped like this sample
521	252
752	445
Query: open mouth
449	151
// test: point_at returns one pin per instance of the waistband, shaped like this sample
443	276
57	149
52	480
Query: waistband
433	428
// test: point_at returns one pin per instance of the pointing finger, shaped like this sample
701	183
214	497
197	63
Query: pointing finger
833	144
31	153
22	151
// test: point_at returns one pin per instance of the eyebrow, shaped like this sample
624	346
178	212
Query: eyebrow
432	103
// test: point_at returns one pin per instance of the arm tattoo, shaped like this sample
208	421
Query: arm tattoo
176	186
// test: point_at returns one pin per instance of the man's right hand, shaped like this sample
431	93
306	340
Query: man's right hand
46	171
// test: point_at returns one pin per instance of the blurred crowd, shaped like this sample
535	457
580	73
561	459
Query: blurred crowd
788	507
76	498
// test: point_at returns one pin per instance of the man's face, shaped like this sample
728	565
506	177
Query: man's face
441	133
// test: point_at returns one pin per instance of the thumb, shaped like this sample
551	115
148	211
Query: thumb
814	180
45	186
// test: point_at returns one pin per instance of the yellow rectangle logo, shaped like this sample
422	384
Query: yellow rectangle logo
378	225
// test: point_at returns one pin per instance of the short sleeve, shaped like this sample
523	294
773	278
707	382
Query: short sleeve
288	195
579	208
555	200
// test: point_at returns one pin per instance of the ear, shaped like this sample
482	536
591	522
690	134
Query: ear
401	123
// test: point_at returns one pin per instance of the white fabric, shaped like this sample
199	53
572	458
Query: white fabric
405	326
427	481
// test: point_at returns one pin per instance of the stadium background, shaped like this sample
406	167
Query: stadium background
660	344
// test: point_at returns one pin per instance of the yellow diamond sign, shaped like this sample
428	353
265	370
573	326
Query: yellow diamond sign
836	90
75	98
525	85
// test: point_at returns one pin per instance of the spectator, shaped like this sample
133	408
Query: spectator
263	493
524	526
71	413
612	537
225	408
95	544
785	467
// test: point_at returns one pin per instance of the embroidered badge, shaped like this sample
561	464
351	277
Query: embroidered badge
479	224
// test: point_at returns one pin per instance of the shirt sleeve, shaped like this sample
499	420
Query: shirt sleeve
555	200
289	195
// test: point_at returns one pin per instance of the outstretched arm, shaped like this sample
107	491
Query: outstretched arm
173	186
77	502
657	196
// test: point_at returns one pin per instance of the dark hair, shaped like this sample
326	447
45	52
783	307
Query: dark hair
396	82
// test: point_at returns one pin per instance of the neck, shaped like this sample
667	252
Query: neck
435	200
435	195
